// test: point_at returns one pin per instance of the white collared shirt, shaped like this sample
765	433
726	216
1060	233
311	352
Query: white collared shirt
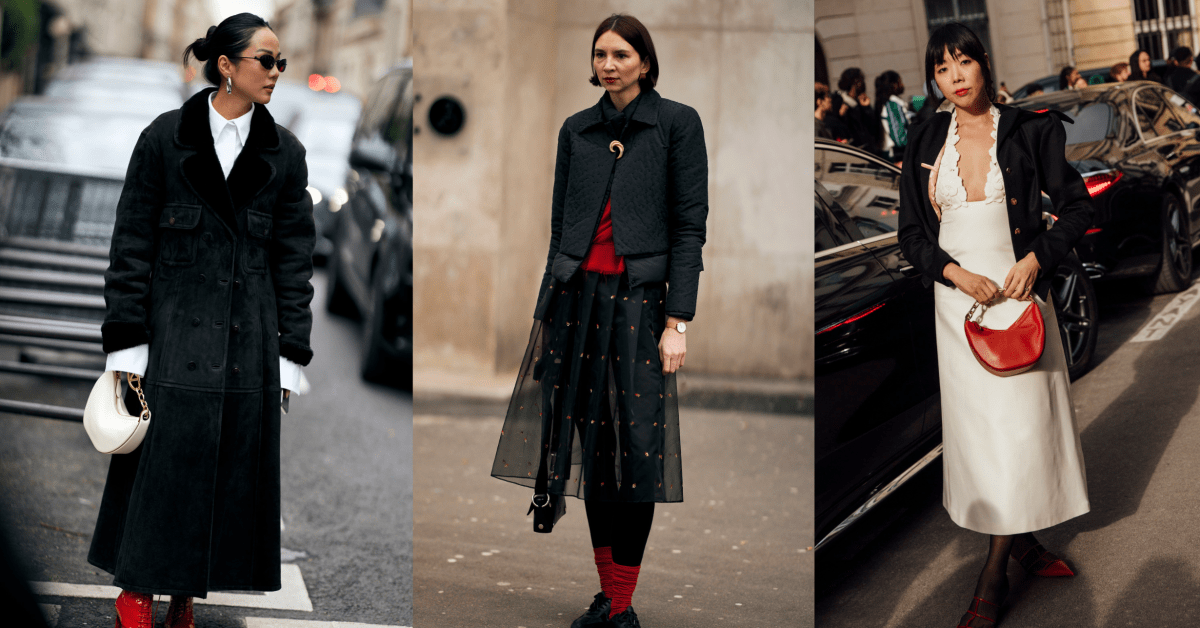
229	137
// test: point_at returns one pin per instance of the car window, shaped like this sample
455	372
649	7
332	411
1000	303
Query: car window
867	190
1153	116
1091	123
1184	110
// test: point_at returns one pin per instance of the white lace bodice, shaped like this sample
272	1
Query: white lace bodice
950	191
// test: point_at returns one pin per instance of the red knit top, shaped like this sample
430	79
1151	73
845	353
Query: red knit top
602	256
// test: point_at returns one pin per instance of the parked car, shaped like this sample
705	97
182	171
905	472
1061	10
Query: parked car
1050	83
370	267
877	392
1135	145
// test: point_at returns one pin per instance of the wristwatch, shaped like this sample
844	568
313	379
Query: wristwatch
681	327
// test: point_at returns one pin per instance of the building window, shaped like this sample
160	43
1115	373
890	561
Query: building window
973	13
1161	26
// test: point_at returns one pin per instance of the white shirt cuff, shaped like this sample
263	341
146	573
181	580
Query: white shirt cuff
291	377
131	360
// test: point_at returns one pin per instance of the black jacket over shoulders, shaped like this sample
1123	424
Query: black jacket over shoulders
1031	151
659	198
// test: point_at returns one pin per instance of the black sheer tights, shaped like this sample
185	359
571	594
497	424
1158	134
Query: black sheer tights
623	526
993	580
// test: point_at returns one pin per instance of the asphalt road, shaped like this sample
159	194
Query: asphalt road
1136	553
733	553
347	492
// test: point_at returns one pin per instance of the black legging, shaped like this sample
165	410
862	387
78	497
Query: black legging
623	526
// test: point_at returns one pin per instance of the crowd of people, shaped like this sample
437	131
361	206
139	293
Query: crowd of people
848	113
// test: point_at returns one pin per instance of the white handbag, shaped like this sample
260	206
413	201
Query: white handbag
107	422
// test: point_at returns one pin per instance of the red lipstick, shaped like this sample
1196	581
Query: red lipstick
961	92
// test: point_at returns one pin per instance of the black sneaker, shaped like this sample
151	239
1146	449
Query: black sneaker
625	619
597	613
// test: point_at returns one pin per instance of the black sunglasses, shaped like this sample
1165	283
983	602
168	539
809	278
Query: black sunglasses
268	61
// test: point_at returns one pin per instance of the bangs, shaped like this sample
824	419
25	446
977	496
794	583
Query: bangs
959	40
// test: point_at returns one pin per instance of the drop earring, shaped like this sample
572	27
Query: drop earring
228	84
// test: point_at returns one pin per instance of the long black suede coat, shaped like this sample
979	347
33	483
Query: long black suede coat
1031	151
214	275
659	198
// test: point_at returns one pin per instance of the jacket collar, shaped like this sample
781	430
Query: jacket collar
193	130
251	173
646	112
1010	117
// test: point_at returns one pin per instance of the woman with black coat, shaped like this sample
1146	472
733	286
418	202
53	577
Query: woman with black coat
594	413
208	297
971	224
1139	67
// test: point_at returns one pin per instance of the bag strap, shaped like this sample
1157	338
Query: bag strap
135	383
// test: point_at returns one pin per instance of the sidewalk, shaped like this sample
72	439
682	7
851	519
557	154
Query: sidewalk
434	390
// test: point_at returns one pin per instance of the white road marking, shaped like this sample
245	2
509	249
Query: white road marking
1161	323
292	597
267	622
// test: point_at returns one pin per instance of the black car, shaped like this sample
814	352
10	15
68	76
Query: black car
370	268
1050	83
1135	145
877	393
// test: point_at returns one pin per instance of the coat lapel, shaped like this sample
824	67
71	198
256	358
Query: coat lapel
201	169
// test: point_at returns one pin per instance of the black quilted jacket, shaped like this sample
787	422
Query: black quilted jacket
659	198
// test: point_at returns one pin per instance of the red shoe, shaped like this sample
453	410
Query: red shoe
179	613
135	610
977	614
1039	561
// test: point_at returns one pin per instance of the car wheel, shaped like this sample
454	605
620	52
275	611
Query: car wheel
1077	311
1175	270
337	299
378	365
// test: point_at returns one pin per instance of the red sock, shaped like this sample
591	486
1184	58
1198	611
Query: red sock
624	581
604	566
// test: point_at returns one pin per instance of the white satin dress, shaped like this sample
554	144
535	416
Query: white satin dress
1012	461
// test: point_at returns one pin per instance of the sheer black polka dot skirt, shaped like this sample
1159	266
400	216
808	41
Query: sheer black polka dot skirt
591	396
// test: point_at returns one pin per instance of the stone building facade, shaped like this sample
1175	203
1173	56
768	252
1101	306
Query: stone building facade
482	197
1027	39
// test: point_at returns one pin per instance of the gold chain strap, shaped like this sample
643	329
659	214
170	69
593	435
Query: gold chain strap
135	382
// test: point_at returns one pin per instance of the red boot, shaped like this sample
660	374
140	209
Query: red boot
179	613
135	610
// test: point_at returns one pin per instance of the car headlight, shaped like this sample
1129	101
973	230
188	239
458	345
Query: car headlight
316	194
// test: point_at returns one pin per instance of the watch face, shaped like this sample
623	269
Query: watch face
681	327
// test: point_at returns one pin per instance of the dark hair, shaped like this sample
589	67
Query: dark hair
1063	75
634	32
1117	69
1181	54
837	103
1135	69
885	86
228	38
849	77
822	94
957	39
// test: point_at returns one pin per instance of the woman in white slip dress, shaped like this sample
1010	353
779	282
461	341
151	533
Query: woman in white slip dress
1012	459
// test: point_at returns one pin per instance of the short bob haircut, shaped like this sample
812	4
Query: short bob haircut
229	38
957	39
634	32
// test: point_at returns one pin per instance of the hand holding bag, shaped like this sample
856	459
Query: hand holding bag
1007	352
107	422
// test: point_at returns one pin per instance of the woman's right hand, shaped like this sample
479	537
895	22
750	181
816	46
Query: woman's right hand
977	287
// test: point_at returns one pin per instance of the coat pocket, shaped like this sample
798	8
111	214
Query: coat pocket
645	269
258	230
177	242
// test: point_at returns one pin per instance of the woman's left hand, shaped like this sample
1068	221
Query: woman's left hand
1021	277
672	346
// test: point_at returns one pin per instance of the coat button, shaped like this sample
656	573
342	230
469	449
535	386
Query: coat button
172	220
236	370
191	366
207	237
237	283
1008	170
1013	201
203	278
236	328
195	322
1017	231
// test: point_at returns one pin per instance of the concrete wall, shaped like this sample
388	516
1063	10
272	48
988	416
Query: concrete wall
482	199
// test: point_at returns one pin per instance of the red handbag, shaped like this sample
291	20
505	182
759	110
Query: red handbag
1007	352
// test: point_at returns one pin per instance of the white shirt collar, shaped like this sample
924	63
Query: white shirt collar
217	122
